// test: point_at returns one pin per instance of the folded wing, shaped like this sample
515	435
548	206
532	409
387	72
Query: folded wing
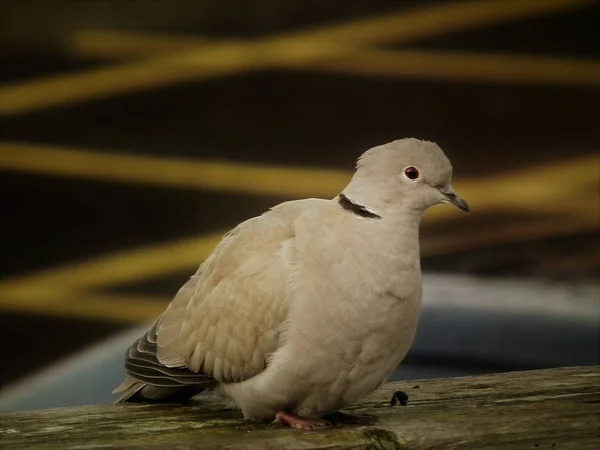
228	318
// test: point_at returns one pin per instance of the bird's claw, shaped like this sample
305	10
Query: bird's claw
293	421
288	419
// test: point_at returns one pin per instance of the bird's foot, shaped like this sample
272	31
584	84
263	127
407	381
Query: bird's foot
353	419
288	419
399	397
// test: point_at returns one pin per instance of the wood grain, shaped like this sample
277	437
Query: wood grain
540	409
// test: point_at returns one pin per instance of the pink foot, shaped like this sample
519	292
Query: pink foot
353	419
286	418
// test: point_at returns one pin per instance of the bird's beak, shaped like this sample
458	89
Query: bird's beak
451	197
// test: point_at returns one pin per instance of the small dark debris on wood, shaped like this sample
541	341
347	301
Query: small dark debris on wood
399	397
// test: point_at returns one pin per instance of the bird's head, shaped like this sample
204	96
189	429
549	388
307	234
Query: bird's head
407	174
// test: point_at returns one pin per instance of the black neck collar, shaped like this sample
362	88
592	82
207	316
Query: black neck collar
357	209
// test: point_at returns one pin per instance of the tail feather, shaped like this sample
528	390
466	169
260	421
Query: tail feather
128	388
133	390
149	380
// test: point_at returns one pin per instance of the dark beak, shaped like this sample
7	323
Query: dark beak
456	200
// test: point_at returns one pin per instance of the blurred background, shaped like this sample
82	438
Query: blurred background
135	133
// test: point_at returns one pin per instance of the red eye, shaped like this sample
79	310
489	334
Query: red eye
411	172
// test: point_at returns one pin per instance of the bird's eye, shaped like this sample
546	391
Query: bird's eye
412	173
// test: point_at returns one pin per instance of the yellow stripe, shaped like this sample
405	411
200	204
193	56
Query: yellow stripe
563	187
111	44
172	172
437	19
512	233
114	308
228	58
129	266
26	96
463	66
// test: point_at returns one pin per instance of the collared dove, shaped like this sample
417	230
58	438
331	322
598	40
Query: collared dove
307	308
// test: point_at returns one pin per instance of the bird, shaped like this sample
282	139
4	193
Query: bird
306	309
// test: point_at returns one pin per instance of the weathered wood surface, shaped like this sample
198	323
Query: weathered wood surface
541	409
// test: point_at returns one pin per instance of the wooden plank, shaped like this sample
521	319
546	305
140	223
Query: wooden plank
550	408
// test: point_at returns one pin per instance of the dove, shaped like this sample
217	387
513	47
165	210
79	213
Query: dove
307	308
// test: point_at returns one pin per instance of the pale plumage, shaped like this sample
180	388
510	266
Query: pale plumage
308	307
